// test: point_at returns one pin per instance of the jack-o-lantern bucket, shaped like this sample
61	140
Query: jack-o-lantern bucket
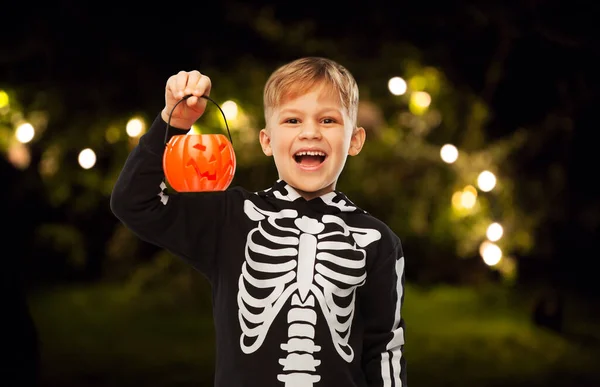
199	162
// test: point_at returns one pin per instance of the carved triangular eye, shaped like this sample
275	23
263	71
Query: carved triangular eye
200	147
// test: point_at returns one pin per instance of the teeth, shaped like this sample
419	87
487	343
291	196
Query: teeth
310	153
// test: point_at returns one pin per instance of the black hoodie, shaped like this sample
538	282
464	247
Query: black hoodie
305	292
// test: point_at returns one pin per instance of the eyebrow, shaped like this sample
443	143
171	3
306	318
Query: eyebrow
297	111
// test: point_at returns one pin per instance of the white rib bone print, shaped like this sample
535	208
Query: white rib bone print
308	260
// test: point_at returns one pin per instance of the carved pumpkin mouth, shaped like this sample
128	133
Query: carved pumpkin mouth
310	158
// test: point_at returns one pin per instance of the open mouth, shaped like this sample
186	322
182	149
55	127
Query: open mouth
310	158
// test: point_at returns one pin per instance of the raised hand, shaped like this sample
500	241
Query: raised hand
182	84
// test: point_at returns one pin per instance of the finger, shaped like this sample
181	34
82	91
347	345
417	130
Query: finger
192	101
181	80
197	103
203	86
171	86
193	78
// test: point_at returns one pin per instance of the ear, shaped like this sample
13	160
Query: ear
357	141
265	142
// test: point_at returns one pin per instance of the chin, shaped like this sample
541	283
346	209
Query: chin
314	188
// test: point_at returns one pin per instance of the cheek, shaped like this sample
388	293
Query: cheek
280	144
340	142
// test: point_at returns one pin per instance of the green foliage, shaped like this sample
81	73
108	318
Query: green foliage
398	177
455	337
484	334
111	335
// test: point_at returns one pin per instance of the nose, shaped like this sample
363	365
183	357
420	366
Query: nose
309	131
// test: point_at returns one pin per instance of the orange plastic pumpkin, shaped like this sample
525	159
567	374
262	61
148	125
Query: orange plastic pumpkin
199	162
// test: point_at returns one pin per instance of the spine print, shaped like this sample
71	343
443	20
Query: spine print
302	319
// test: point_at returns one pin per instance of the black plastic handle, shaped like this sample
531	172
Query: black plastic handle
202	96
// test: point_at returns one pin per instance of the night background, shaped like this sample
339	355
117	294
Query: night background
512	86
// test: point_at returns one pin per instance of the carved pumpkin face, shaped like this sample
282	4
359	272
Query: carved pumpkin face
199	162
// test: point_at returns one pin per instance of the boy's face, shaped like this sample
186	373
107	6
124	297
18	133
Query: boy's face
309	136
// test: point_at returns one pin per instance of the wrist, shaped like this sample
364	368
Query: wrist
176	123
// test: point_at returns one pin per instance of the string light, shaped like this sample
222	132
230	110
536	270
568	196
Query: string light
25	133
419	102
230	108
486	181
490	252
397	86
87	158
449	153
468	197
494	232
135	127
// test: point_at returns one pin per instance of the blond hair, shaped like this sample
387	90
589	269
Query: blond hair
301	75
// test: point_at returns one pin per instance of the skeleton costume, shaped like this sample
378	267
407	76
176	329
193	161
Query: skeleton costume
305	293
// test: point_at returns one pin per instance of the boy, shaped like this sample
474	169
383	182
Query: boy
307	287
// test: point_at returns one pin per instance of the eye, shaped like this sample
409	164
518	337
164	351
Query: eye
329	120
291	121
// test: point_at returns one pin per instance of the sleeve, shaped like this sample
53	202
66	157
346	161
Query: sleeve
186	225
383	358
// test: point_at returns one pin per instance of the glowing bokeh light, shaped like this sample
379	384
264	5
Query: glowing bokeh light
449	153
87	158
486	181
494	232
419	102
468	199
4	99
135	127
19	155
490	252
421	98
397	86
230	109
25	133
